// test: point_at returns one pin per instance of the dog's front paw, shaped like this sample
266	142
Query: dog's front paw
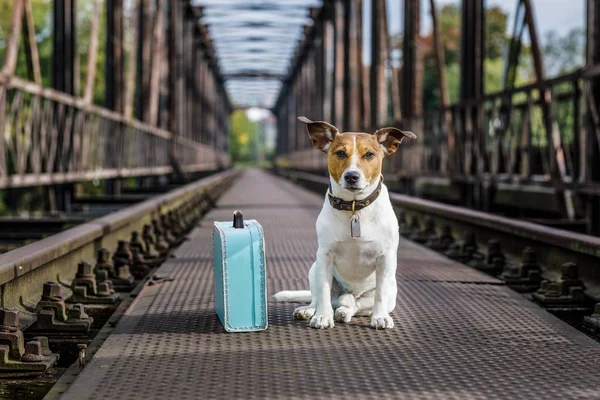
304	312
343	314
321	321
382	322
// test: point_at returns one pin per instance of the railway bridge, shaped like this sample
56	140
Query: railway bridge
128	127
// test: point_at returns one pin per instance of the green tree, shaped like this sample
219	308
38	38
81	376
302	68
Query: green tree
495	32
85	13
42	19
42	16
242	138
564	54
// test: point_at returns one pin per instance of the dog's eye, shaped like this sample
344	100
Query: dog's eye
340	153
368	155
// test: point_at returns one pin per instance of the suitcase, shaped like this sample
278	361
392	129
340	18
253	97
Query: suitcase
240	274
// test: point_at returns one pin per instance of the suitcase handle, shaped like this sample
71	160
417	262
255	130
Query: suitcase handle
238	219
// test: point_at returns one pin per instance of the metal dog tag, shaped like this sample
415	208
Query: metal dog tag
354	226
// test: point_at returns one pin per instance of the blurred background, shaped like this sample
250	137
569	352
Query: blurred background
561	29
500	92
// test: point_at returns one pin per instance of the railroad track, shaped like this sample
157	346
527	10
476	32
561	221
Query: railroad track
59	292
557	269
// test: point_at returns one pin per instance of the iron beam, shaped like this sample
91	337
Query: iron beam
411	91
64	46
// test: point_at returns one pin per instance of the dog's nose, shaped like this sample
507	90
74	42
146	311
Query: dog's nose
351	177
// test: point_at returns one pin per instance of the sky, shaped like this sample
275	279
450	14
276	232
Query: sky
559	15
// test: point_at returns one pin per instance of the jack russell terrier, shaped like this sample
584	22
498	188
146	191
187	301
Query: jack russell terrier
355	268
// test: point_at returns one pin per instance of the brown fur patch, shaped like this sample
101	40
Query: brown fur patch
370	167
365	143
390	138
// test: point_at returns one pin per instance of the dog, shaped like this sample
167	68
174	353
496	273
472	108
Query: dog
357	229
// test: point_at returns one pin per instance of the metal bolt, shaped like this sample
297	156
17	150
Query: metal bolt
553	290
103	256
103	289
85	270
147	230
77	312
45	346
51	290
569	271
33	352
81	359
9	320
101	275
135	253
135	241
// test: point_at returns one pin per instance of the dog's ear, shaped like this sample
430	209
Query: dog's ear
321	133
390	138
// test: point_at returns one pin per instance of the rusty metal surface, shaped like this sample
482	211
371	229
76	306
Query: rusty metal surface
452	340
32	256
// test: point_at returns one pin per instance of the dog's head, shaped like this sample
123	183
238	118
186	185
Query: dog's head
354	159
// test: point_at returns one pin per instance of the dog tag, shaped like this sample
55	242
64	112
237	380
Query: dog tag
354	226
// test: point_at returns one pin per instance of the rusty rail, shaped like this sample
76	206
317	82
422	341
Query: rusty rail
24	270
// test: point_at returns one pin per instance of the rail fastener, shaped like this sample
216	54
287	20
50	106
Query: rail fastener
18	358
54	317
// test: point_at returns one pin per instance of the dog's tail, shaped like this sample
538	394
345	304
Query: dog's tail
301	296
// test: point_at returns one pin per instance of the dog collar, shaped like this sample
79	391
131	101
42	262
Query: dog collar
353	205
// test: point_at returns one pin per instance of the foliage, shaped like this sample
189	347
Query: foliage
565	52
42	16
85	13
42	19
242	138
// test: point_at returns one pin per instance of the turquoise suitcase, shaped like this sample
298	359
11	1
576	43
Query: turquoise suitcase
240	274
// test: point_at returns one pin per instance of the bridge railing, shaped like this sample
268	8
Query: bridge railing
534	133
49	137
514	135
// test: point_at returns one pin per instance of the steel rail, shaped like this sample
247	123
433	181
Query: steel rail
24	270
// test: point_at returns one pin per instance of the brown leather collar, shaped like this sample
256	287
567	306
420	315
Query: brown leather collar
353	205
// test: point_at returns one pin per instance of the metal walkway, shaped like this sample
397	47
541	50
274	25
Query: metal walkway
459	334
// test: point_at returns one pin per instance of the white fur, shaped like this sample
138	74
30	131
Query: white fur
302	296
364	268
